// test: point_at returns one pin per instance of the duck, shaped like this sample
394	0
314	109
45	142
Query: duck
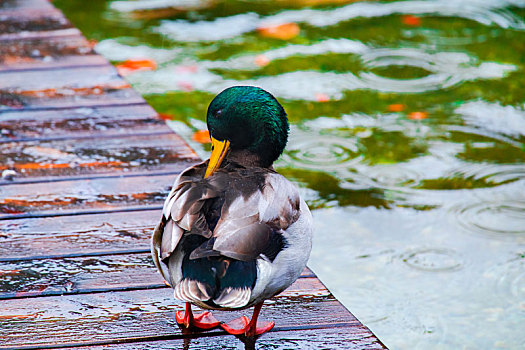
234	232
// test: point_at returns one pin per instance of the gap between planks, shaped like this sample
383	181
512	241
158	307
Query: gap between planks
59	108
79	212
89	137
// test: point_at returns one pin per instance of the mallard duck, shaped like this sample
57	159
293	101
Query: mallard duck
234	232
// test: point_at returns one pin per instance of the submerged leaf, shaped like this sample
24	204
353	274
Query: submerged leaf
284	31
201	136
133	65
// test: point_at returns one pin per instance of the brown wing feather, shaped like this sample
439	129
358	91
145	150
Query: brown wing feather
256	201
247	221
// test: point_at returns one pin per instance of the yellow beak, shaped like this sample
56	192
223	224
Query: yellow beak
218	152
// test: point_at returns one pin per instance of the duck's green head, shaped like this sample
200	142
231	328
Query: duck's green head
246	118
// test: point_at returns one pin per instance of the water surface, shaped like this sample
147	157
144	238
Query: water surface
407	140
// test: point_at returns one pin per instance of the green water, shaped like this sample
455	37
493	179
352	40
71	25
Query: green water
419	208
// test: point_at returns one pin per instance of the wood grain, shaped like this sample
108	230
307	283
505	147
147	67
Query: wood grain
103	273
79	122
46	53
75	197
76	235
118	155
326	336
143	313
62	88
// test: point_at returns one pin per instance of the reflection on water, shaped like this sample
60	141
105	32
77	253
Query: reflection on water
407	140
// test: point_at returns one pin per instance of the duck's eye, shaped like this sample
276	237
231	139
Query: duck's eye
218	113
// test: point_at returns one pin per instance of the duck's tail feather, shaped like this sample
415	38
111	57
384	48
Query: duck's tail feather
217	282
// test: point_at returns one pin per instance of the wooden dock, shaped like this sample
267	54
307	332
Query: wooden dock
86	166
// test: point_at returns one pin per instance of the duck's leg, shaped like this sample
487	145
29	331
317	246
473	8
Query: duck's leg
246	327
203	320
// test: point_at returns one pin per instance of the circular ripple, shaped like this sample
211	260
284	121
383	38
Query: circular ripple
433	259
500	218
402	58
393	175
445	69
488	175
320	152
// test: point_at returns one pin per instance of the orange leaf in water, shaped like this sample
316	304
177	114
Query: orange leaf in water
417	115
201	136
261	60
396	107
320	97
165	116
134	65
284	31
411	20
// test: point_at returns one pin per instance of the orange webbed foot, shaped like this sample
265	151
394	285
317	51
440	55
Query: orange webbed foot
243	326
204	320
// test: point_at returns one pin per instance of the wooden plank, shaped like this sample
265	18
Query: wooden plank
77	197
32	19
340	336
25	5
61	88
142	313
70	275
79	122
116	155
38	277
21	21
44	53
75	235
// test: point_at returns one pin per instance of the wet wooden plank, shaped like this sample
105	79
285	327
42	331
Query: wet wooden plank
32	19
25	6
79	122
96	155
22	21
76	235
143	313
340	336
77	197
44	53
58	276
63	88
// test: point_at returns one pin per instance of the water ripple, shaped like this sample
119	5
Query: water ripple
324	150
433	259
446	69
488	12
393	175
493	217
